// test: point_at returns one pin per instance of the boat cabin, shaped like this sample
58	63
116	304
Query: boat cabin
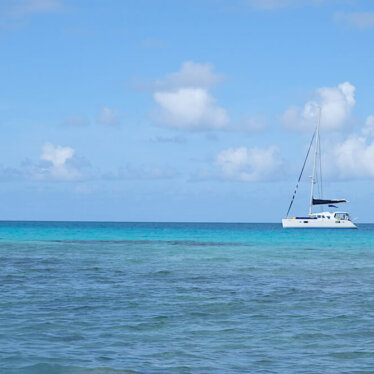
338	216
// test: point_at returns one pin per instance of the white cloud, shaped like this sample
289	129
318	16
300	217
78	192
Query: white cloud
190	109
191	74
351	159
184	101
361	20
19	8
107	116
249	164
336	103
57	155
368	129
57	164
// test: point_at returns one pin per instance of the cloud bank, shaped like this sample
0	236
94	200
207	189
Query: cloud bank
352	158
249	164
336	104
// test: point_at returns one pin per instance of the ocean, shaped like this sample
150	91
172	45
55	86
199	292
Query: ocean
103	298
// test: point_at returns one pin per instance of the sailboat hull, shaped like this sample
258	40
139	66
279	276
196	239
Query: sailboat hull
310	223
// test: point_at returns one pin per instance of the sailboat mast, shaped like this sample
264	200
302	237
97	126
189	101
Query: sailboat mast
315	162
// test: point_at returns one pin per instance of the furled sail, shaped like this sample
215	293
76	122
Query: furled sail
325	202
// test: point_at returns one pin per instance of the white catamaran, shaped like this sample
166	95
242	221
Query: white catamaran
326	219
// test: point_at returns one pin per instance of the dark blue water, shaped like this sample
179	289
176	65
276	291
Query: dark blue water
185	298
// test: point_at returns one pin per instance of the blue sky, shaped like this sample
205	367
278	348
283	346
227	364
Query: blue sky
182	110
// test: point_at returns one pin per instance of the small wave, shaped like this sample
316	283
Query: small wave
191	243
350	355
43	368
162	272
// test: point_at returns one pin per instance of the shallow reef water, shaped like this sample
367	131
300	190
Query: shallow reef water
112	298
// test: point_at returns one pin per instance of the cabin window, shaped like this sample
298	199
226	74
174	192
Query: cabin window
306	221
341	216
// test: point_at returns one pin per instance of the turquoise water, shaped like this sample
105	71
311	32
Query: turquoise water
185	298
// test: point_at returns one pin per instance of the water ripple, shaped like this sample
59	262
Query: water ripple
226	301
